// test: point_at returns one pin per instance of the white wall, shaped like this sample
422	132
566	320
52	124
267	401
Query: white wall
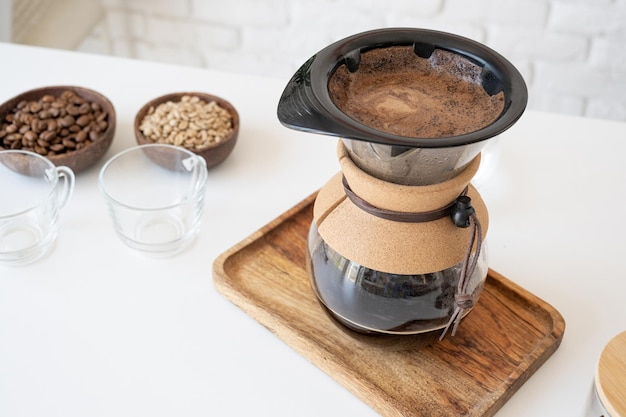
5	20
571	52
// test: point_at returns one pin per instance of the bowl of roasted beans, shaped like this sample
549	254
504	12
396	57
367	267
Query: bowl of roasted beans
71	126
202	123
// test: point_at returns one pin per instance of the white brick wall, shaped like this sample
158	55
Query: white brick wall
571	52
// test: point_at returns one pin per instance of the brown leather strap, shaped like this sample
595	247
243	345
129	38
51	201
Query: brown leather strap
398	216
465	300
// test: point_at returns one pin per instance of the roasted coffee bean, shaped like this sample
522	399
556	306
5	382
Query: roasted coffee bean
81	136
69	143
72	110
84	108
83	120
67	121
14	136
48	135
34	106
30	135
53	125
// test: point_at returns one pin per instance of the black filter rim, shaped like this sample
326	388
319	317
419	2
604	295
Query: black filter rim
306	104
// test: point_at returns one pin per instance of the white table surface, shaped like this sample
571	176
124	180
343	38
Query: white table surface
95	329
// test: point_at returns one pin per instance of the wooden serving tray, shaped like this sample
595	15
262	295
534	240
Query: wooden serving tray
499	345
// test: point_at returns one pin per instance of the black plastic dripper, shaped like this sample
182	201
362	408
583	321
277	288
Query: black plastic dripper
306	104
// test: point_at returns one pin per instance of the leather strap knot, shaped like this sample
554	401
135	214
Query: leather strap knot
465	301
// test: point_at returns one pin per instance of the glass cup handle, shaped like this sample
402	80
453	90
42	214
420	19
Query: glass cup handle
197	166
67	175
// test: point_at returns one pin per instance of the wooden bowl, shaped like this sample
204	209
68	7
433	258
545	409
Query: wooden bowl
77	157
213	153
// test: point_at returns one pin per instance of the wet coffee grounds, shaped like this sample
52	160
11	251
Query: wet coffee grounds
395	91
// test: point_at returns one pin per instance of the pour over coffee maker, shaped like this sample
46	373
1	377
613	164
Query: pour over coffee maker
397	242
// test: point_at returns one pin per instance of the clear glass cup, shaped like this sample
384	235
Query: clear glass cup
155	194
33	192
